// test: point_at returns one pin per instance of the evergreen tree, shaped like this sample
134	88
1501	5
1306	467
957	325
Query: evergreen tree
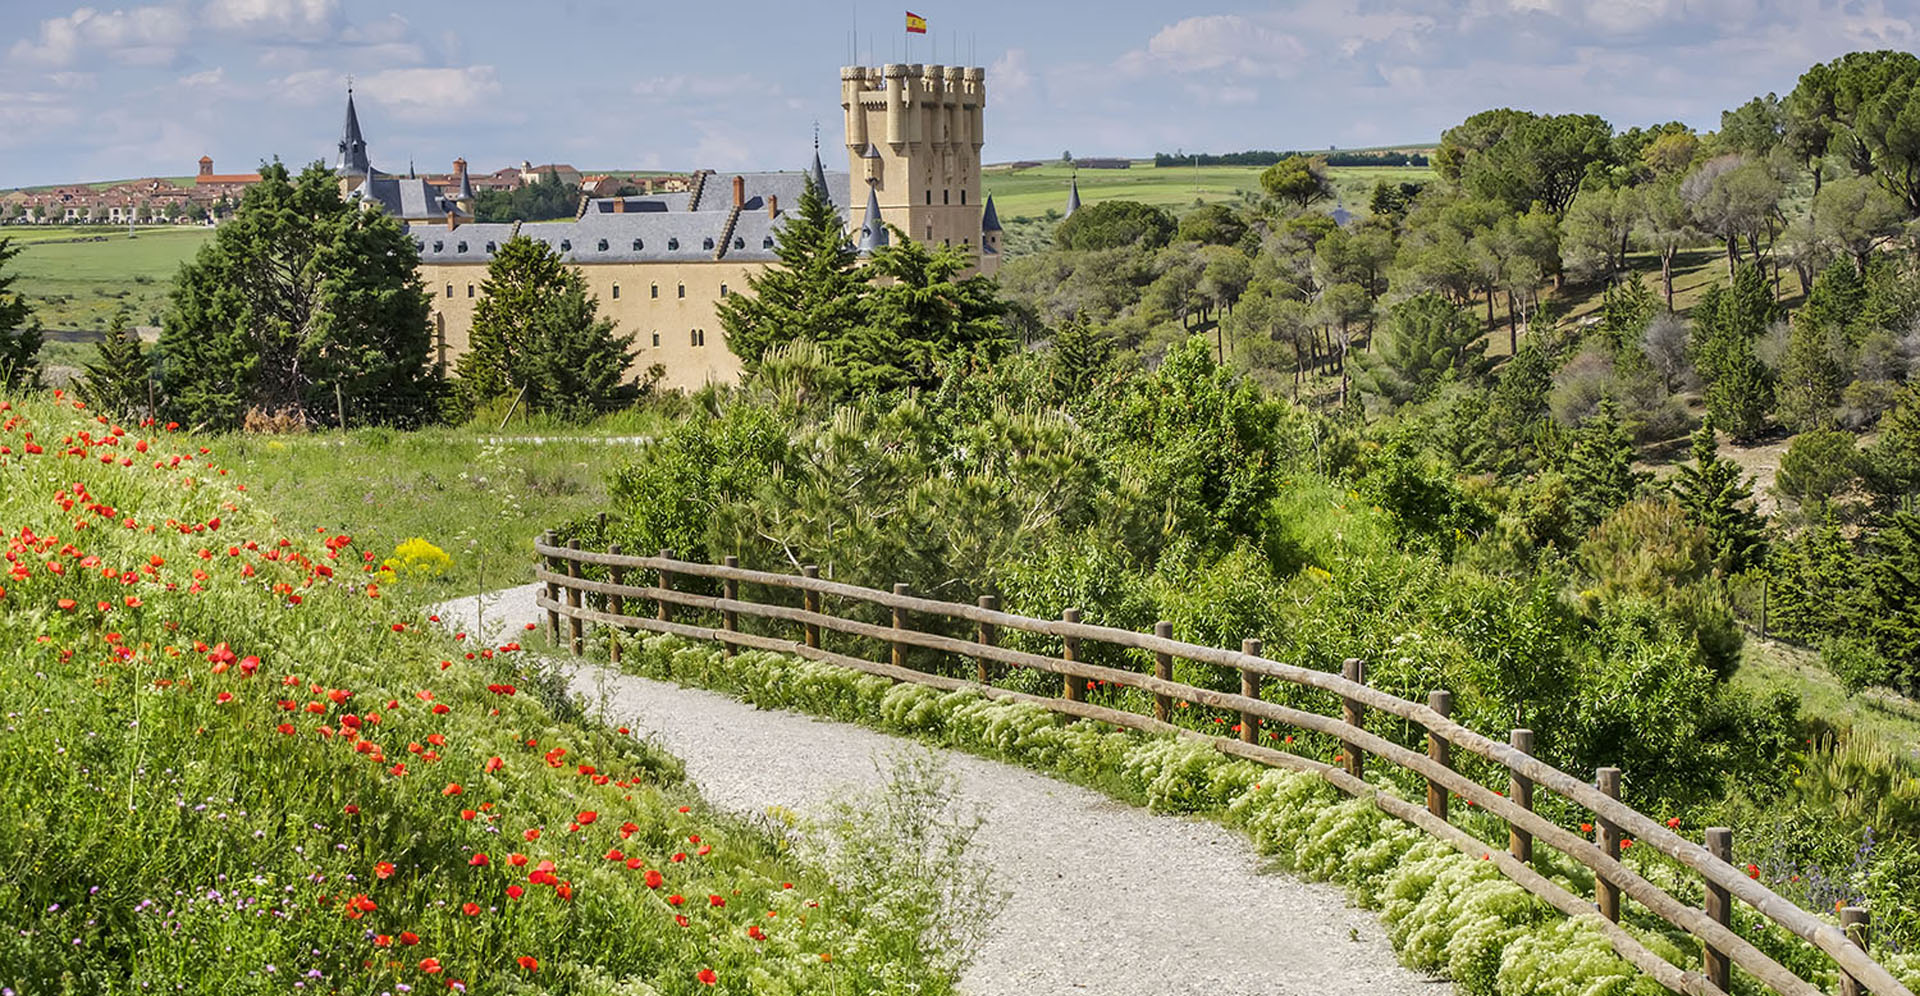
1893	464
1726	323
298	295
813	293
1081	354
117	382
536	328
1814	585
19	330
1719	499
1599	468
1425	341
924	315
1810	379
1894	579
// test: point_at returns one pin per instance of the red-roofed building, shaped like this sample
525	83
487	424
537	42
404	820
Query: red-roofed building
207	176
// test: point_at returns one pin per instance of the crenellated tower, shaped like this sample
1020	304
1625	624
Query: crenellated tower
913	142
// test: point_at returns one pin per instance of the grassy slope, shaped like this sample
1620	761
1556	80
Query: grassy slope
174	818
1877	714
1034	191
80	285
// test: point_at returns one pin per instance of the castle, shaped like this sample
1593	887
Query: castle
659	264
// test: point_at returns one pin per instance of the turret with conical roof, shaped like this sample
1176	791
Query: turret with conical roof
989	219
873	230
353	146
818	174
1073	196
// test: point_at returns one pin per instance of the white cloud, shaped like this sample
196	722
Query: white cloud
209	78
425	94
258	19
68	80
27	118
139	36
1231	42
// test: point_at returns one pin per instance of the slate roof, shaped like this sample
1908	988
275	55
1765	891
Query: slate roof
990	219
353	146
873	229
637	236
407	198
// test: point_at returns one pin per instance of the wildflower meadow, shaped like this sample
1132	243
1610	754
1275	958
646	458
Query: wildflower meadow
240	757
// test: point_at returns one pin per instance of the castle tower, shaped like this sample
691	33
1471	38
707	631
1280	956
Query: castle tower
913	142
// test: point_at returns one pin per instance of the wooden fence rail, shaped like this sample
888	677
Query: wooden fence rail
564	596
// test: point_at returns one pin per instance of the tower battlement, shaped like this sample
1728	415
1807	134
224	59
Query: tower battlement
913	136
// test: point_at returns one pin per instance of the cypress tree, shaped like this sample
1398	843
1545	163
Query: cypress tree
1810	379
814	291
19	330
1726	323
117	381
1599	468
538	329
1719	499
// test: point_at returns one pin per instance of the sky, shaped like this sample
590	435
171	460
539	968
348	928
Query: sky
103	92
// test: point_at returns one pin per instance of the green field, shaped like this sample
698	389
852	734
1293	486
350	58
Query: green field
80	285
1033	191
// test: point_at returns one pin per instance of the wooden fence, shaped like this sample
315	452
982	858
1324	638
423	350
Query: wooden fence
570	597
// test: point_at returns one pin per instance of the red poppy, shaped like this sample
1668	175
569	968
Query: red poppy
515	892
286	728
383	940
429	965
493	764
756	933
516	859
223	698
681	919
531	834
676	899
409	938
478	860
528	962
383	870
1674	823
655	879
564	890
716	901
613	854
1586	828
708	976
585	817
452	789
352	810
470	909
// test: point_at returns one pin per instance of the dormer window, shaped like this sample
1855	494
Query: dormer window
439	246
603	245
462	247
566	245
739	243
637	245
673	243
706	243
490	249
766	243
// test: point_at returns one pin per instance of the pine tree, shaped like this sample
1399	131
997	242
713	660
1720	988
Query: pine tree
1810	379
1893	464
299	296
924	314
1719	499
19	330
1814	588
1726	322
1599	468
1894	579
814	292
117	381
1081	354
536	328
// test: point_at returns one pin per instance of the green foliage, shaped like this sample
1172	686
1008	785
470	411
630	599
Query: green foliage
1893	462
1517	157
19	330
1894	580
537	330
1599	468
1861	109
545	199
1726	322
921	316
117	382
299	293
1425	340
1298	180
1212	224
1114	224
813	293
1856	663
1814	583
1818	466
1719	498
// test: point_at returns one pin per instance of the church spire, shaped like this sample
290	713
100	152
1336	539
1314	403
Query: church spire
353	146
1073	196
818	174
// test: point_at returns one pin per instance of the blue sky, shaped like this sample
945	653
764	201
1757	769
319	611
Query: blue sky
106	92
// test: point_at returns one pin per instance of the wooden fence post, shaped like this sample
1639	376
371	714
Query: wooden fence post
1714	962
985	634
1608	893
553	591
1250	688
575	641
810	600
899	622
1439	751
1520	788
1355	714
1074	686
616	604
729	621
1855	921
664	609
1163	669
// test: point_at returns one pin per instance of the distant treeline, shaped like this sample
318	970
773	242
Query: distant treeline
1264	158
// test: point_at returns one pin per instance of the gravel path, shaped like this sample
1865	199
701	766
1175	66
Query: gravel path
1105	898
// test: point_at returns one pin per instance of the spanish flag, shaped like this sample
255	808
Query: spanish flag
916	25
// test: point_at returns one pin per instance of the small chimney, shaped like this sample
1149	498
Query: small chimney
459	168
619	205
773	205
739	191
453	220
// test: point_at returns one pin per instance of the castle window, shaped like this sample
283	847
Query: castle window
603	245
469	291
656	296
439	246
491	249
723	290
699	337
616	292
929	197
946	197
963	197
449	290
462	247
566	245
706	243
656	340
739	243
636	245
766	243
673	243
683	290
